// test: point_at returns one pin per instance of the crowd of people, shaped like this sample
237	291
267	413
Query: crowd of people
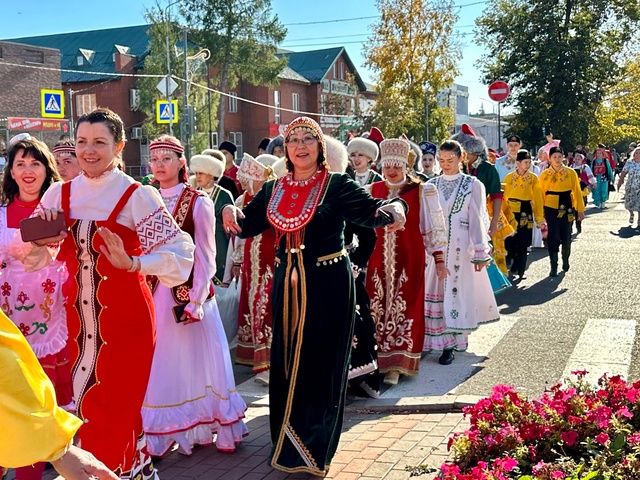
349	262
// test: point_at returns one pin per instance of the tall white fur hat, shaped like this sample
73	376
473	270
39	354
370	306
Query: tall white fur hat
365	146
337	156
206	164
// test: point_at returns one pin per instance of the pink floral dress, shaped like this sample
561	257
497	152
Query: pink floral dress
34	302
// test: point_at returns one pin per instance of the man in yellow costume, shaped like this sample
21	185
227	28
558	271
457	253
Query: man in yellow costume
34	428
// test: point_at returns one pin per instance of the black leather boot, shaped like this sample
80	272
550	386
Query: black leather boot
522	265
566	252
553	257
447	357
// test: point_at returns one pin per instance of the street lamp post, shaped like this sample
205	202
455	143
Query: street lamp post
168	79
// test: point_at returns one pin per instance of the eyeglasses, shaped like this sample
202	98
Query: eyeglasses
296	142
160	161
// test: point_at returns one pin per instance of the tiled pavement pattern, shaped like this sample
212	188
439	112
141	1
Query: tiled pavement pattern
372	446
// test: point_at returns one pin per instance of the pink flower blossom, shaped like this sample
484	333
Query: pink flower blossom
570	437
507	463
602	438
557	474
624	411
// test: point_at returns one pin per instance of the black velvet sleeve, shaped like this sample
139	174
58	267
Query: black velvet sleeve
366	243
255	221
358	206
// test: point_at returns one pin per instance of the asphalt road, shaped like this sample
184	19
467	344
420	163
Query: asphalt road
584	319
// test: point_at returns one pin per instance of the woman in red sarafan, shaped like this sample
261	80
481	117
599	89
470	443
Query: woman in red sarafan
119	231
254	257
396	269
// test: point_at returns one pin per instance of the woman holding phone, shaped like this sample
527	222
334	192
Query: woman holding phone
119	231
192	393
33	300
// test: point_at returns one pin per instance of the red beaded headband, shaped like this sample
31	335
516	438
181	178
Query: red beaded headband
179	149
64	149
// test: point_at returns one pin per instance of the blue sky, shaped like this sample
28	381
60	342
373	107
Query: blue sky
44	17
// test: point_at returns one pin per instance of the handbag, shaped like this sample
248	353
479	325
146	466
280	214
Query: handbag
612	188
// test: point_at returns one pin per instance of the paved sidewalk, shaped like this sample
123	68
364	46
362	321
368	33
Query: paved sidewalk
372	446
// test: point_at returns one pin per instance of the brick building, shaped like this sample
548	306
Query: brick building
96	64
94	72
21	80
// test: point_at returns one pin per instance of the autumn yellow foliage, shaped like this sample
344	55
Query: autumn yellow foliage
413	54
618	117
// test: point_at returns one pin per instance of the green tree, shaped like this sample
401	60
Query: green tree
155	63
243	37
559	58
414	56
617	119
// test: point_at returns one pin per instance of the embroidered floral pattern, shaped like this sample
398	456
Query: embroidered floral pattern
6	289
49	286
447	187
22	298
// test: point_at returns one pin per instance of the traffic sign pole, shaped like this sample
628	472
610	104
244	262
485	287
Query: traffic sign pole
499	92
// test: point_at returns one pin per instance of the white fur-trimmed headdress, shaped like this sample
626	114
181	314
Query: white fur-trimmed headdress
207	164
337	156
276	164
365	146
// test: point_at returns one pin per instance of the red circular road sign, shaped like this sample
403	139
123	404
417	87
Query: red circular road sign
498	91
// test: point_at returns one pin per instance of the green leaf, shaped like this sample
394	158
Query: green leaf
618	443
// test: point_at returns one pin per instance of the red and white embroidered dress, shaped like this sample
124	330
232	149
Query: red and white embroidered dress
192	393
110	311
255	312
396	275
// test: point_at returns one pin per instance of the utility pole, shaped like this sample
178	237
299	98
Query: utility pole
187	117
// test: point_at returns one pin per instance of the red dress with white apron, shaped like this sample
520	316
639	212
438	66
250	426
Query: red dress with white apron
110	315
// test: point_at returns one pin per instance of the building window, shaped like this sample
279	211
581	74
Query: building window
80	60
353	106
85	103
233	102
341	70
323	104
34	56
276	103
236	139
295	101
335	70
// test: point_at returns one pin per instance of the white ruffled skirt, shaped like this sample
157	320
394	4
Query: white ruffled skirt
191	394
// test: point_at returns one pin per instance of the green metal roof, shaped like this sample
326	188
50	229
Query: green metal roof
314	65
95	45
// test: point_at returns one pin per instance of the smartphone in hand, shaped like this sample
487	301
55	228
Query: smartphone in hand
35	228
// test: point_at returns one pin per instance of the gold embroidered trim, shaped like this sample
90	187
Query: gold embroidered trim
300	447
295	363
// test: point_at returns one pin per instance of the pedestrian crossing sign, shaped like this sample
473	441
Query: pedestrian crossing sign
52	103
164	111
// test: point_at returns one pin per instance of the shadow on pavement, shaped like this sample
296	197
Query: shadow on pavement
541	292
626	232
